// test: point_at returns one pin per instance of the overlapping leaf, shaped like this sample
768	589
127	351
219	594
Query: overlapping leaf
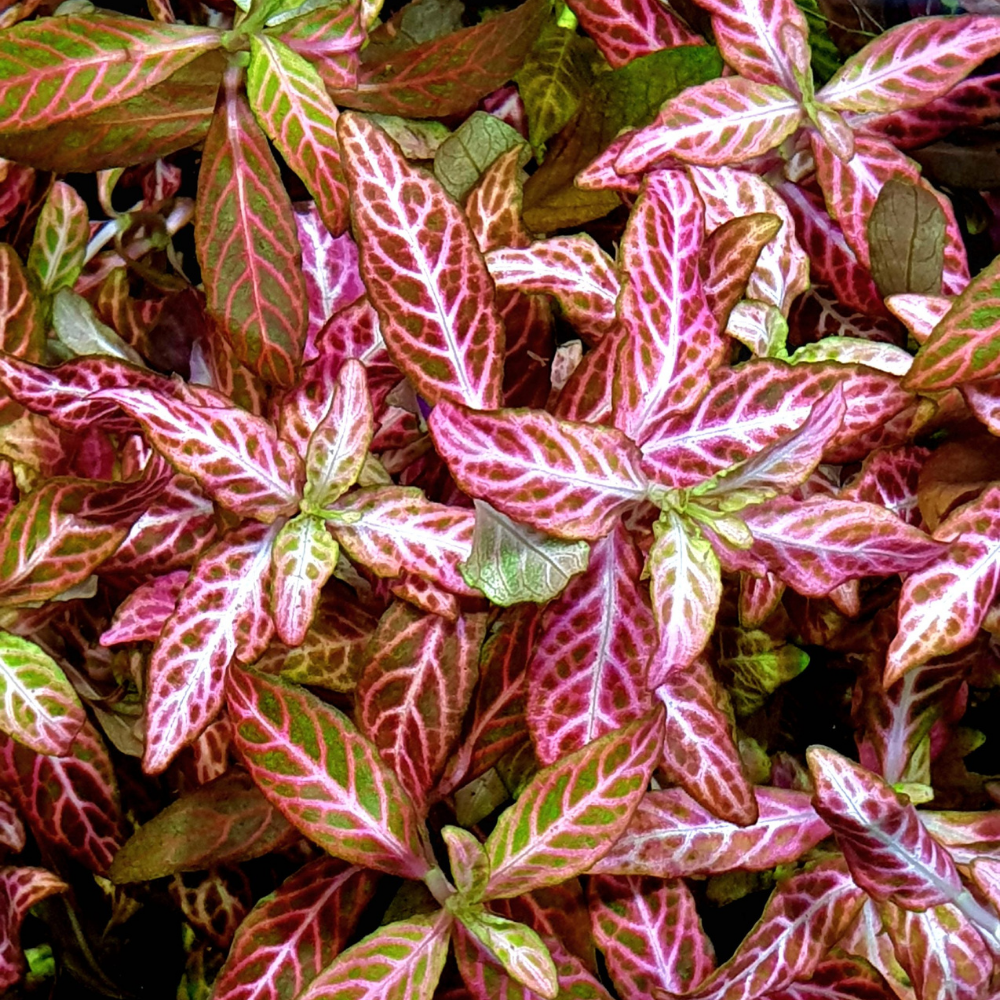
20	315
60	244
140	617
20	889
303	559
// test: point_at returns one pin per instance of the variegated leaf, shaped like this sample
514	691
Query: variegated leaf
325	777
222	612
424	273
22	333
60	244
888	477
20	889
303	559
141	616
672	836
571	813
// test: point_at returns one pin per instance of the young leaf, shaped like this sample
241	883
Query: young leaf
293	107
424	273
672	836
399	961
66	67
510	563
470	868
323	775
567	479
20	315
303	559
221	613
588	675
413	694
247	246
60	244
571	813
328	36
140	617
650	934
20	890
293	934
39	706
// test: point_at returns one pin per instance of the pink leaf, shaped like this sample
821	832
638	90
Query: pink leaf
140	617
672	836
493	206
671	338
329	37
588	674
699	751
567	479
20	889
11	828
720	123
912	64
414	692
70	802
587	395
650	934
889	477
424	272
235	456
839	978
571	813
221	613
293	934
889	852
324	776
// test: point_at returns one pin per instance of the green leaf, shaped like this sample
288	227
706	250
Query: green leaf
511	562
624	98
755	665
81	333
470	868
60	244
464	156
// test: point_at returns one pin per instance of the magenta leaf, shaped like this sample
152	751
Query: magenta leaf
293	934
323	775
39	706
303	559
20	889
220	613
572	812
911	64
671	339
235	456
839	977
567	479
888	477
413	694
672	836
806	914
328	36
70	802
140	617
588	674
247	245
424	273
650	934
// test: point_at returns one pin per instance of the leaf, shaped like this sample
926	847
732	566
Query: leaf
889	852
140	617
568	479
627	97
516	947
57	251
20	889
292	106
963	345
510	563
719	123
906	240
70	802
221	613
328	36
247	245
755	665
588	674
235	456
649	933
574	269
465	155
225	821
447	75
804	917
323	775
424	273
553	80
303	558
888	477
40	708
396	529
79	331
699	751
571	813
413	694
911	64
839	977
54	69
294	933
400	961
671	340
21	329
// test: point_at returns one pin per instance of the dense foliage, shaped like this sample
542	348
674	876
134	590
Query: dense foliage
499	504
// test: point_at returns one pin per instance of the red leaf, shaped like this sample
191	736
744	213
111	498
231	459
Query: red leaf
20	890
140	617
